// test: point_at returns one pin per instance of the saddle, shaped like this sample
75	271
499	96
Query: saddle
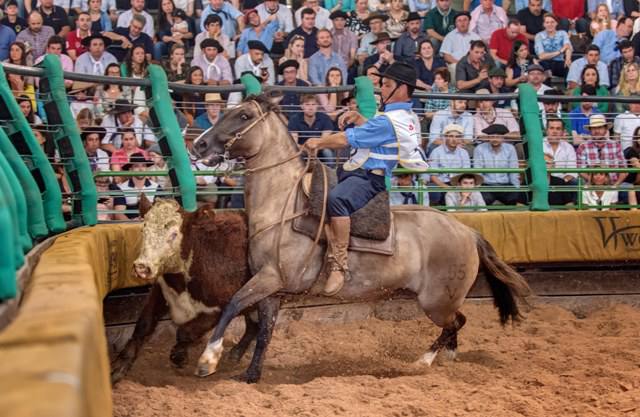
372	227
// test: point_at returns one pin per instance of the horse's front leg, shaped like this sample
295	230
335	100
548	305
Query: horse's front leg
263	284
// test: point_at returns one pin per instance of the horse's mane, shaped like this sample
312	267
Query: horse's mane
264	101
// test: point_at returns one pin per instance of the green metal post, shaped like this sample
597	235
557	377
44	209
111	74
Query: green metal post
68	142
7	261
166	129
530	115
20	203
17	246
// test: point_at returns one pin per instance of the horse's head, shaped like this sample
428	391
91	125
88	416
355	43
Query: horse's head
239	133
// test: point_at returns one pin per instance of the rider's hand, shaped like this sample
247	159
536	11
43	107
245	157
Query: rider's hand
349	118
312	145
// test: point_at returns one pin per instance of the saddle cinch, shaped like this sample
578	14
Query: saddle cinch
372	227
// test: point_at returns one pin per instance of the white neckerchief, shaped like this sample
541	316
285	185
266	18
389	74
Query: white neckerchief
212	65
98	68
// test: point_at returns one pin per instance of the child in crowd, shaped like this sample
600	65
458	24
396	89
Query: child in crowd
471	199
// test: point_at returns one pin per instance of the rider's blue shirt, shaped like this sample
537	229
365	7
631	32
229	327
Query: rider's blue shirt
376	132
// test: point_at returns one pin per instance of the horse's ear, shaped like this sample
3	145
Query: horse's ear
275	97
144	204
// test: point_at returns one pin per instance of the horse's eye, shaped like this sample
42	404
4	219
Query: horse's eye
244	117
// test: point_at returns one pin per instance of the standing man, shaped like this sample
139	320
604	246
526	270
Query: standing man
372	160
345	42
406	45
439	22
325	58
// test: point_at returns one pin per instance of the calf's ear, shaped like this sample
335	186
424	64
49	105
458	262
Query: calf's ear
144	205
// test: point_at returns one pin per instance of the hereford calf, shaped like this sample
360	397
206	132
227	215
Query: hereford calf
196	261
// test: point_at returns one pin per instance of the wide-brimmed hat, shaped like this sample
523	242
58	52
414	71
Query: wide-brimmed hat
86	41
211	43
81	86
401	72
453	127
286	64
121	106
101	131
258	45
380	37
213	98
337	14
413	16
597	120
135	159
455	180
373	16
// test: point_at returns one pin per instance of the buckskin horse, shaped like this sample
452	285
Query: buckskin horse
435	257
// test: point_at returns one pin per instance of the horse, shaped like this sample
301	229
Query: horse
436	257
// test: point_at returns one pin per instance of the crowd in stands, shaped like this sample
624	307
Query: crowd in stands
560	47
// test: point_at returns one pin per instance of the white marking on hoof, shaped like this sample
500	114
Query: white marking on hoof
208	362
450	354
428	358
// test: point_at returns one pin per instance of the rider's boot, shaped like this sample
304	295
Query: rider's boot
337	254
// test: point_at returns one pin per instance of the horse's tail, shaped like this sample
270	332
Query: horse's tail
506	284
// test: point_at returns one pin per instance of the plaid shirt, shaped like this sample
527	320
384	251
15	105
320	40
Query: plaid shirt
601	153
615	70
434	104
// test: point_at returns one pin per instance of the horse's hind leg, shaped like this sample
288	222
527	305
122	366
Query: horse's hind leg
447	340
251	330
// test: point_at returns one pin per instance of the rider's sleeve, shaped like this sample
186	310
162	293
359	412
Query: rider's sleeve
375	132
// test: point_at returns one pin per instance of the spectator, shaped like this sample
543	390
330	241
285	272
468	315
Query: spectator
288	70
405	46
213	105
20	84
258	62
471	199
91	139
331	101
518	63
600	151
174	27
456	44
285	22
159	164
137	9
108	7
54	17
13	18
215	67
553	47
307	30
127	38
121	116
627	56
535	78
383	57
602	17
486	19
626	124
310	123
345	42
562	155
7	38
213	26
325	58
356	18
599	199
263	31
450	154
579	117
375	22
131	189
427	63
322	20
532	18
121	156
570	14
85	119
193	101
472	71
632	155
550	108
495	153
26	107
36	34
397	17
105	202
590	76
439	21
101	18
456	114
176	66
96	59
232	18
487	115
295	51
74	45
54	47
502	40
607	40
592	57
136	66
405	181
441	84
107	94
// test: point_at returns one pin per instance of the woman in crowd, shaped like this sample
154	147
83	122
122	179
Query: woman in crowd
136	66
176	66
100	20
295	51
329	102
107	94
129	147
85	119
629	84
355	18
26	106
173	28
599	199
19	84
590	76
553	47
518	62
397	17
441	84
427	62
193	102
603	20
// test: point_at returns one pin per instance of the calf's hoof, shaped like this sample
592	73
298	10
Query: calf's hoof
208	362
178	357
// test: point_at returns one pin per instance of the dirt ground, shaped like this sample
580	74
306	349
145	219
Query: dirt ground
555	363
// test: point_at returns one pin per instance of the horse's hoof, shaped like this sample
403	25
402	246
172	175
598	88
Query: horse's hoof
203	370
208	362
247	377
450	354
427	359
178	359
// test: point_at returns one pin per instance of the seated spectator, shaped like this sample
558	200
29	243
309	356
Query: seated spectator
295	51
456	43
554	108
257	30
456	114
518	63
107	94
55	44
174	28
124	39
81	97
440	21
531	16
562	155
590	76
105	202
213	104
632	155
136	66
343	5
74	45
592	57
330	102
627	56
405	45
285	22
54	17
427	63
345	42
579	118
131	189
487	115
570	14
176	66
626	124
495	153
310	123
607	40
497	79
91	139
502	41
486	19
12	17
288	70
36	35
383	57
599	199
441	84
307	31
215	67
101	18
629	85
137	9
96	59
472	71
598	150
397	198
232	18
193	101
601	18
535	78
119	117
470	200
27	108
324	59
159	164
213	26
20	84
121	156
322	20
553	47
376	22
258	62
7	38
450	154
355	18
85	119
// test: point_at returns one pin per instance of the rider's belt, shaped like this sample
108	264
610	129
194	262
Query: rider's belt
377	171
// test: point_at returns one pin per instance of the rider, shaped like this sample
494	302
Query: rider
377	145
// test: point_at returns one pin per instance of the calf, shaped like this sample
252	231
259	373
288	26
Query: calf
196	261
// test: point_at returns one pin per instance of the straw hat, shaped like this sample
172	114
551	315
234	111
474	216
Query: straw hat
453	128
597	120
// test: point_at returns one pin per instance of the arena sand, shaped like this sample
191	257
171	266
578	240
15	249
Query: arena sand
553	364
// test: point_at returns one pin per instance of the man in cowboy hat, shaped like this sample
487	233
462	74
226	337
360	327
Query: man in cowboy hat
215	67
448	155
383	56
213	103
373	157
600	150
131	189
256	61
288	70
457	199
406	45
96	60
119	116
91	139
375	21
